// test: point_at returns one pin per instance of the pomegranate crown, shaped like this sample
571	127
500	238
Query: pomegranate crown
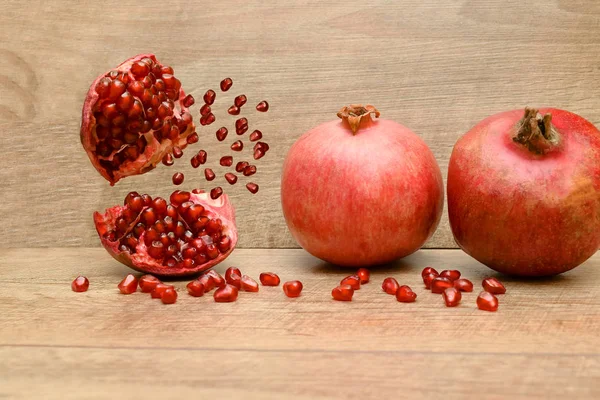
355	114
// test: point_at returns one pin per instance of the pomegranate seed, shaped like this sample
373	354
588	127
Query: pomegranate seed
493	286
451	296
202	156
233	274
464	285
450	274
352	281
221	133
159	290
405	294
209	97
217	278
226	294
250	170
427	279
258	154
240	166
168	160
80	284
263	106
205	110
269	279
128	285
252	187
209	174
207	119
188	101
364	275
179	197
193	138
249	284
390	285
231	178
148	283
487	302
429	270
226	161
342	293
195	288
233	110
226	84
178	178
241	126
292	288
238	145
194	161
439	284
215	193
256	135
177	152
208	282
169	296
240	100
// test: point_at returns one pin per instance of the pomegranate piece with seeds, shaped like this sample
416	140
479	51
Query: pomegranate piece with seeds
364	275
178	178
169	296
195	288
292	288
128	285
233	276
159	290
451	296
148	283
487	301
226	84
493	286
450	274
342	293
80	284
252	187
464	285
263	106
269	279
226	294
427	279
248	284
405	294
390	285
429	270
191	234
133	117
352	280
439	284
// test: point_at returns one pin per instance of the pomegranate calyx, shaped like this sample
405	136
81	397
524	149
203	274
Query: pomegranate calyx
536	132
356	115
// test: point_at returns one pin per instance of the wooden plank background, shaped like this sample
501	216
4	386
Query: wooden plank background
437	66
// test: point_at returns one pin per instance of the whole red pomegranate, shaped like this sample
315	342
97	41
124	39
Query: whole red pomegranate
524	191
133	117
187	236
359	191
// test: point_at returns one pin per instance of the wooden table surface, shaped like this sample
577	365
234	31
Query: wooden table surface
56	344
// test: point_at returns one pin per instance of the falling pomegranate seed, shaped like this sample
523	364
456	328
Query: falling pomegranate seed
255	135
168	160
128	285
226	84
241	126
263	106
231	178
233	110
240	100
188	100
209	97
209	174
390	285
195	288
487	302
493	286
159	290
226	161
177	152
404	294
207	119
202	156
450	274
464	285
238	145
364	274
451	297
352	280
80	284
252	187
226	294
221	133
292	288
439	284
427	279
215	193
250	170
148	283
249	284
429	270
205	110
193	138
178	178
208	282
169	296
241	165
269	279
342	293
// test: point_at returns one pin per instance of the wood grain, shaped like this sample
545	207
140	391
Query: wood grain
436	66
542	343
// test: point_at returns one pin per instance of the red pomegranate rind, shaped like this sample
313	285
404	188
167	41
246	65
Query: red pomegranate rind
154	150
140	260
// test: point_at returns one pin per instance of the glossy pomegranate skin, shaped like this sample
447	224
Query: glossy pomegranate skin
523	213
361	199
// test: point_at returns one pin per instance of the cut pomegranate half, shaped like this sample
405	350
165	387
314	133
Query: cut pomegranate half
188	236
133	116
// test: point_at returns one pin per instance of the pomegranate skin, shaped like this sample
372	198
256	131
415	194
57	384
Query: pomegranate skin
364	198
523	212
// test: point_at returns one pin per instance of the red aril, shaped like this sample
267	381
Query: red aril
226	161
390	285
147	283
238	145
226	84
178	178
255	135
404	294
159	290
128	285
217	278
375	170
451	296
205	110
342	293
487	302
439	284
209	174
215	193
209	97
450	274
80	284
292	288
248	284
133	117
155	237
240	100
364	275
207	281
252	187
233	110
231	178
195	288
428	279
493	286
523	191
169	296
352	280
429	270
263	106
221	133
233	276
464	285
269	279
226	294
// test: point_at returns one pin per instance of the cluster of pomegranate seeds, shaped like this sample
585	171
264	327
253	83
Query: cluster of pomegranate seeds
128	285
80	284
405	294
269	279
292	288
342	293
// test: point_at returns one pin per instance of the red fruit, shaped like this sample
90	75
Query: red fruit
238	145
255	135
464	285
208	282
429	270
221	133
145	129
269	279
352	281
241	165
427	279
249	170
231	178
80	284
241	126
342	293
234	110
226	161
263	106
292	288
451	296
169	296
151	235
487	302
392	176
226	294
233	276
159	290
207	119
148	283
195	288
205	110
178	178
215	193
523	191
209	97
450	274
240	100
364	275
209	174
439	284
128	285
390	285
217	278
226	84
493	286
252	187
405	294
248	284
188	101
